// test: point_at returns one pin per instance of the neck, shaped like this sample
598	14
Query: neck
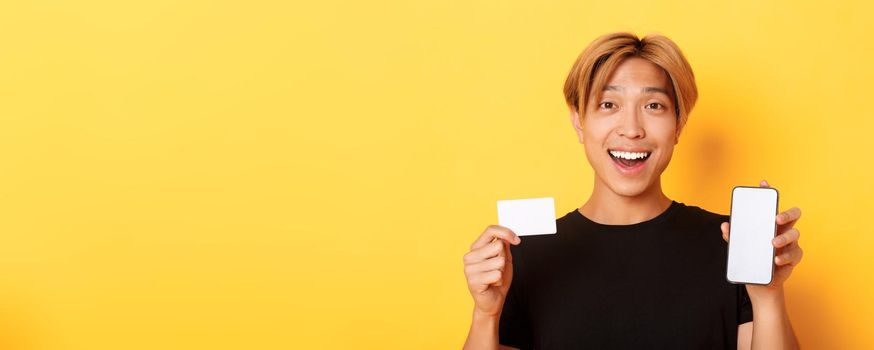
607	207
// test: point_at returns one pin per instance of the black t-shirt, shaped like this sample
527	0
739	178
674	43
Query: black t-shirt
657	284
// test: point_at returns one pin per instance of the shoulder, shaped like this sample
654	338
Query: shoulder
698	226
697	215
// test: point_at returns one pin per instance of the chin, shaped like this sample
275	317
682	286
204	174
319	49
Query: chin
627	188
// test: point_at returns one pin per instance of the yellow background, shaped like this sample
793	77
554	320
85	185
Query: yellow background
267	175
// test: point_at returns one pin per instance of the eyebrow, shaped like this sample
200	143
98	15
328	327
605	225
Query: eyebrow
649	89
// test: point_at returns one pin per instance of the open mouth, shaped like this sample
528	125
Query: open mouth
629	160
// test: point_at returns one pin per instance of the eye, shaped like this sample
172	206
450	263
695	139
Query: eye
607	105
655	105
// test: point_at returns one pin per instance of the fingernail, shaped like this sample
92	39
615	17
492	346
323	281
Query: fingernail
778	241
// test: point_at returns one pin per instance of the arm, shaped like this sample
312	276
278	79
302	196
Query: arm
483	333
745	336
770	328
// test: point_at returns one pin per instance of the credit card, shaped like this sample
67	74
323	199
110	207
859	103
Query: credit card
533	216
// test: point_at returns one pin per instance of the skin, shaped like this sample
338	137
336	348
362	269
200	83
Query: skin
636	112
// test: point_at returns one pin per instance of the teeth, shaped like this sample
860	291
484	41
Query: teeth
629	155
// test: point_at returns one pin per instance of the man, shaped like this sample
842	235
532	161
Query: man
630	268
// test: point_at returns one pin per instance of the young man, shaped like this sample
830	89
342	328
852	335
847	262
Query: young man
630	268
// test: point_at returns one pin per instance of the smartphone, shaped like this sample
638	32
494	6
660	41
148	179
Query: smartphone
753	225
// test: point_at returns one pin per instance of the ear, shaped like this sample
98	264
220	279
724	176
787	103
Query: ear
577	123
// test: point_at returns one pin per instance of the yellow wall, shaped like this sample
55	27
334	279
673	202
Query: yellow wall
253	174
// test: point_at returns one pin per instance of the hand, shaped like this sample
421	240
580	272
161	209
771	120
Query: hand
489	269
787	255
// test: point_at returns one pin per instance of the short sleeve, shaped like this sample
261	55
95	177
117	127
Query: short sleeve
744	305
514	328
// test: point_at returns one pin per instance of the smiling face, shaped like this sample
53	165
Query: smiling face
629	132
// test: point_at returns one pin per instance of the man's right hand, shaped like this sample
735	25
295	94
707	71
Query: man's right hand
489	269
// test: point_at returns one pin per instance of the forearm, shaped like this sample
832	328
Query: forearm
771	326
483	334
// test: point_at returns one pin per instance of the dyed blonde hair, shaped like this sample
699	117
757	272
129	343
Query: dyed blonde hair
597	62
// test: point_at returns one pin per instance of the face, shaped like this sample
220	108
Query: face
630	132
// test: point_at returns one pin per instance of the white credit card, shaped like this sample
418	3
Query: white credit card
534	216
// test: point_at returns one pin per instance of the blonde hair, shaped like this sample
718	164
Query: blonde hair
596	63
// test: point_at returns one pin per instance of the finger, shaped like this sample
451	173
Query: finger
783	272
724	227
790	256
489	250
508	261
494	231
505	247
789	216
496	263
507	254
482	280
764	183
500	281
791	235
798	256
781	259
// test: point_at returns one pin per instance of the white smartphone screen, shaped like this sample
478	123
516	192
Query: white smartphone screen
750	252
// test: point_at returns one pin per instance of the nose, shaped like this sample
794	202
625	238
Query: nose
630	125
